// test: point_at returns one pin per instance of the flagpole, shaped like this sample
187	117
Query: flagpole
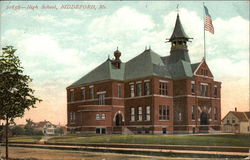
204	33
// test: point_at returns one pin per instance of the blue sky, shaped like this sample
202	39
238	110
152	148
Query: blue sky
58	46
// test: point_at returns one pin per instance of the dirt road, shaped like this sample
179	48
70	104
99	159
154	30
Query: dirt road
18	152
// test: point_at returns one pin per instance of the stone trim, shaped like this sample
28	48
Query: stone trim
154	95
164	81
101	92
97	110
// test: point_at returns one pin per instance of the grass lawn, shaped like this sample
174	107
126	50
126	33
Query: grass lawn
203	140
25	139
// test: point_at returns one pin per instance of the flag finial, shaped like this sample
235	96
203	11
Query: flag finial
177	8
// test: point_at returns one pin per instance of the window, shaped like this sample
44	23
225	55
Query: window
164	130
139	113
164	112
193	87
193	112
228	121
72	95
215	114
72	117
233	120
204	89
148	113
91	92
98	130
97	116
132	114
83	93
118	90
204	72
163	88
168	113
215	91
103	116
132	92
101	98
179	118
146	88
138	89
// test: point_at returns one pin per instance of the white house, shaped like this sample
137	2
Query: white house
47	127
236	122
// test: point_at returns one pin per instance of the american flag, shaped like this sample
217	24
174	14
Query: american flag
208	25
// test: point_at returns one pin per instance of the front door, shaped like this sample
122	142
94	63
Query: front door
118	120
204	118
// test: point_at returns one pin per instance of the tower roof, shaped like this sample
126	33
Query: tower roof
178	31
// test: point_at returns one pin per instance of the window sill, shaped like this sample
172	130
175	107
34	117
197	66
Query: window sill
163	120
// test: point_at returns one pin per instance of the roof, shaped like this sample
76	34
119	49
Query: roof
42	124
247	114
148	63
194	66
178	30
242	116
105	71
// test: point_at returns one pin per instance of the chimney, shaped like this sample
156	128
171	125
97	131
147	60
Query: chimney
235	109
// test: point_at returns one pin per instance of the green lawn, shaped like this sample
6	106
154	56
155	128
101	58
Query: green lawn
204	140
25	139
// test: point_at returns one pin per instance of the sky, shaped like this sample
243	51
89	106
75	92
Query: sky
57	46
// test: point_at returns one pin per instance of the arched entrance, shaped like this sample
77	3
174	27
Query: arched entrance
204	122
204	118
118	120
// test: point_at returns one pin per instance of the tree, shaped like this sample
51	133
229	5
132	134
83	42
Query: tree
29	122
17	130
15	94
29	128
59	131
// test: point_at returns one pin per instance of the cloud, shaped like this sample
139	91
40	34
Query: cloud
124	19
53	20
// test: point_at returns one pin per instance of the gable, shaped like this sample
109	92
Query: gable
203	70
239	116
230	115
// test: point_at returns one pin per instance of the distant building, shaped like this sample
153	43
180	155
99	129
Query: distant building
149	94
46	127
236	122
